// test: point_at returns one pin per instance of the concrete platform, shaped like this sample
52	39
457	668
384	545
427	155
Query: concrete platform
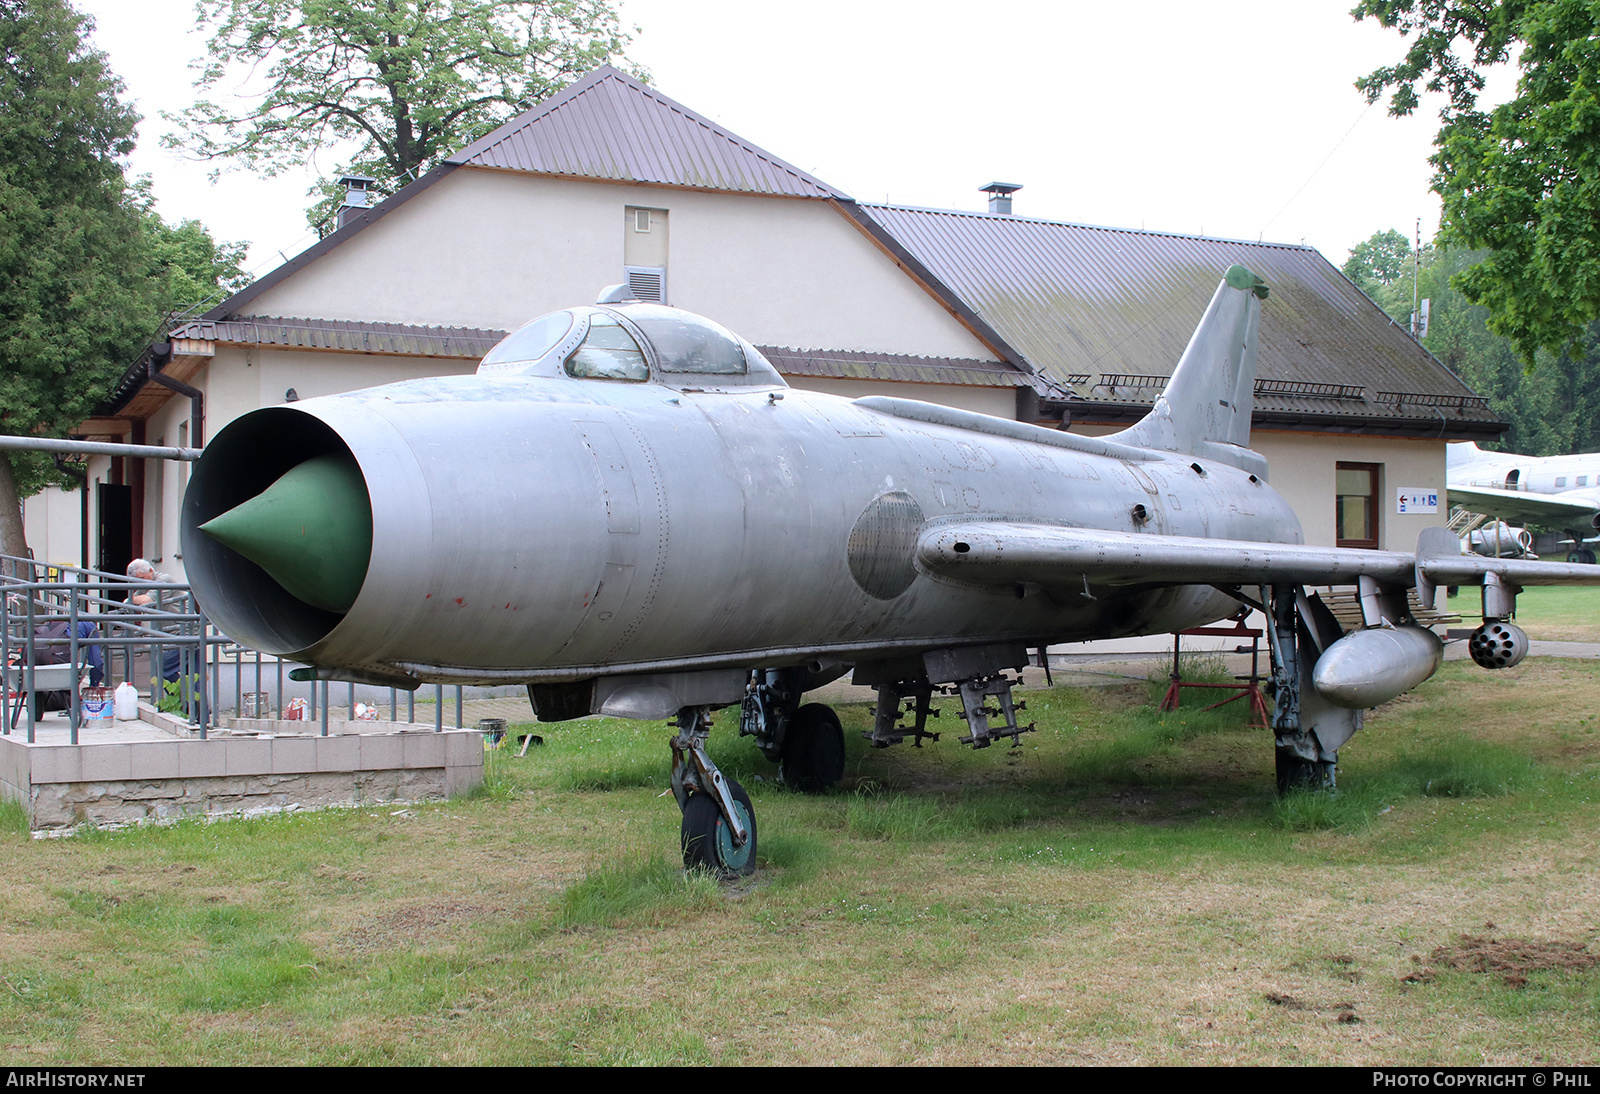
153	769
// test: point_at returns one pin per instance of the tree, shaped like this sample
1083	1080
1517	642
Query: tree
408	81
1382	267
1520	182
1552	409
1382	258
71	233
193	271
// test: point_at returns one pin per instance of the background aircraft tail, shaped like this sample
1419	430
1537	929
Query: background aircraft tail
1205	409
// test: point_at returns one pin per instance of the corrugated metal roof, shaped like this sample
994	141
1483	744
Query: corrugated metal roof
860	365
471	344
608	125
1119	303
342	336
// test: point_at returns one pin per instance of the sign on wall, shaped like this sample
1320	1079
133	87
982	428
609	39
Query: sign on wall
1417	499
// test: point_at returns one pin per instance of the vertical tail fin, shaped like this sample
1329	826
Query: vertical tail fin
1206	406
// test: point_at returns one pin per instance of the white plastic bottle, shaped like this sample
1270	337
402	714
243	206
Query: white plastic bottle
126	702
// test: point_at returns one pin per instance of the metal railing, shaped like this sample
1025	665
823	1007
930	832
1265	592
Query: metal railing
153	635
1419	398
109	619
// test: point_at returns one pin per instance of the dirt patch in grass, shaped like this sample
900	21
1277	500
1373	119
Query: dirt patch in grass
1514	958
416	926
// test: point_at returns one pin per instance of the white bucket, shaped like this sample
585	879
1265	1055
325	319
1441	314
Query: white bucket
95	708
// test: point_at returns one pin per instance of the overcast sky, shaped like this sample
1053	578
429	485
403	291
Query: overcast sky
1231	120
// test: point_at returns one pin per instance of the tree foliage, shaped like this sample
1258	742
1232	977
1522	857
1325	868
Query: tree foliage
70	233
1520	182
192	270
1381	259
1384	267
407	81
1552	409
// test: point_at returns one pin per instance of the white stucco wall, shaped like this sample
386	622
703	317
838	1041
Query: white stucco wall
164	484
1302	469
50	520
494	249
241	379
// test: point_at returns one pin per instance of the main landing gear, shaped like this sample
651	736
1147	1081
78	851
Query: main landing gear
1308	730
807	742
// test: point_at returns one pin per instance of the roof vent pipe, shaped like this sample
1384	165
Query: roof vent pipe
357	197
1000	196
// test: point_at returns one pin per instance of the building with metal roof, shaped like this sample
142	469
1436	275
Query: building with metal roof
611	180
1107	312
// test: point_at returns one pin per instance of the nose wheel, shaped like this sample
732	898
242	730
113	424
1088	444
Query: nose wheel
719	823
708	839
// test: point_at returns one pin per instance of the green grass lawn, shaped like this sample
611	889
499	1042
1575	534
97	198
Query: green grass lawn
1123	888
1548	612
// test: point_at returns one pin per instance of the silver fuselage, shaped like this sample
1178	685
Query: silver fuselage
549	528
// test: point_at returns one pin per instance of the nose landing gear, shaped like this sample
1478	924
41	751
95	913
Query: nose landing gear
719	823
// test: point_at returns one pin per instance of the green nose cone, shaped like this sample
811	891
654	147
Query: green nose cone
311	531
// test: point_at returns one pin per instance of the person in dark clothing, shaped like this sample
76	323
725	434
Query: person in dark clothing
52	645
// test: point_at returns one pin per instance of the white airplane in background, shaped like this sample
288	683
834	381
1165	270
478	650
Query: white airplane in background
1556	490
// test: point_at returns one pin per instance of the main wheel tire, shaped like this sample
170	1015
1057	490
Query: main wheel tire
1297	774
813	749
708	840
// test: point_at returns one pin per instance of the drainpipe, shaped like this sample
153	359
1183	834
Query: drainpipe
160	355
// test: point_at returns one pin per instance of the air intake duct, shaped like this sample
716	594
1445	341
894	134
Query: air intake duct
277	530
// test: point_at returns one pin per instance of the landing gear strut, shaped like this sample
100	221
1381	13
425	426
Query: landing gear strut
806	741
1308	730
719	823
1579	552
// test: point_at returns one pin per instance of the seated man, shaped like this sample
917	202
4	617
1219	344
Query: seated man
141	570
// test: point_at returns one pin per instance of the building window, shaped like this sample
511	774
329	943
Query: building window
1356	504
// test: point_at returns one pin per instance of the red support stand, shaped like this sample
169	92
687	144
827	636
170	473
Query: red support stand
1250	688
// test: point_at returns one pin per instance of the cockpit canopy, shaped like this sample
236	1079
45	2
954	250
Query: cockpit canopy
632	343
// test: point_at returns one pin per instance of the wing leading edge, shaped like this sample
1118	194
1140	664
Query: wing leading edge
1524	506
1003	553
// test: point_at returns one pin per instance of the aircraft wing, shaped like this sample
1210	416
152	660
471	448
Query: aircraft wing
1003	553
1519	505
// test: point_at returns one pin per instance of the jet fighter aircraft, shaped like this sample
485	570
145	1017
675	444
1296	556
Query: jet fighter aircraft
628	510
